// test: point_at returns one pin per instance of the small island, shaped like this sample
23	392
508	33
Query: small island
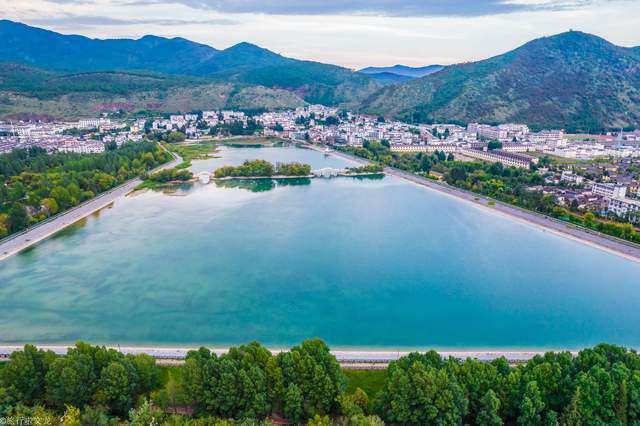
368	169
261	169
164	178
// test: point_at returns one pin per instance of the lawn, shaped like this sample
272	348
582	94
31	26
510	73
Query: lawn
370	381
192	151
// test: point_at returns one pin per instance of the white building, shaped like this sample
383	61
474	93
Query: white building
625	208
609	190
571	177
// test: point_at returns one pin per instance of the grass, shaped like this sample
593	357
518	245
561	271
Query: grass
192	151
370	381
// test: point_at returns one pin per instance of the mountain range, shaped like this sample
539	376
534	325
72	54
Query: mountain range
171	63
571	80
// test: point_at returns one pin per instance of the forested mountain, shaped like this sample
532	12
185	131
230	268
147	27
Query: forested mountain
571	80
35	92
179	60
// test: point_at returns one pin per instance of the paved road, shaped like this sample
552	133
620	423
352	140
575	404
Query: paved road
45	229
610	244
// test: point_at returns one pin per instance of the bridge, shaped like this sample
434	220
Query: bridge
204	177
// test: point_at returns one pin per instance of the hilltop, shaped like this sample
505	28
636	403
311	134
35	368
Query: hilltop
571	80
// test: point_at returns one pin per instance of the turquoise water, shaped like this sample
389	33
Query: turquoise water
359	263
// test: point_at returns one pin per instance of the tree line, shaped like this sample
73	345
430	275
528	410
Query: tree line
250	385
35	185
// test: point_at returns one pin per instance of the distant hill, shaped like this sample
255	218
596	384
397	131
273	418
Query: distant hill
243	63
387	78
403	70
571	80
35	91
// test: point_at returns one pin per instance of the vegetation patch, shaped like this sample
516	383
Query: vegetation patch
262	168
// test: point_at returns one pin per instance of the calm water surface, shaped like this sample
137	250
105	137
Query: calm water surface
357	262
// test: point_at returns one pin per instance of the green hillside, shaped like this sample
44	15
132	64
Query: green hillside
572	80
25	89
243	63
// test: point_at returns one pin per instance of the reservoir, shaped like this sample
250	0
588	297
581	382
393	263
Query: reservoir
360	263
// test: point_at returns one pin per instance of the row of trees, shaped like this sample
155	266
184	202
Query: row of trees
169	175
599	386
249	382
87	375
35	185
262	168
367	168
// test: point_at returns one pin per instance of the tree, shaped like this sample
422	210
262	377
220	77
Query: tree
293	404
62	196
494	145
116	389
420	391
144	415
17	218
71	380
531	407
23	375
71	416
458	173
489	410
316	374
318	420
354	404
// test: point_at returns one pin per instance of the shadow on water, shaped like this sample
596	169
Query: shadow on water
368	177
262	185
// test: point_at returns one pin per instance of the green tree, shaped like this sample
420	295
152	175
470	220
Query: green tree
293	404
71	416
144	415
71	380
316	374
115	389
23	376
62	196
17	219
532	406
489	410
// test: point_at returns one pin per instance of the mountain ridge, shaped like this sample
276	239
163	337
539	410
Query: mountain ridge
243	63
571	80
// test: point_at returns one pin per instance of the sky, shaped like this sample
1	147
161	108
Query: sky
354	34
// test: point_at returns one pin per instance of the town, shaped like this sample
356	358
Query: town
584	173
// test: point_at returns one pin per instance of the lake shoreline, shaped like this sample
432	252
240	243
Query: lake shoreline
344	356
49	227
627	250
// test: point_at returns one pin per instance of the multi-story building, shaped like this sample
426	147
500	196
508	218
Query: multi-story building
609	190
625	208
